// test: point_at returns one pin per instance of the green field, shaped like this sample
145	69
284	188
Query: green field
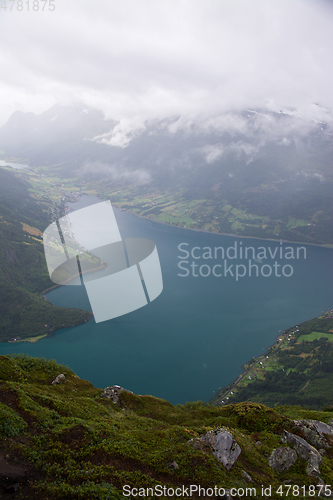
173	207
315	336
32	340
292	223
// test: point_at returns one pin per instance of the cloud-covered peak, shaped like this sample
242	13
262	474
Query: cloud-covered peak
163	59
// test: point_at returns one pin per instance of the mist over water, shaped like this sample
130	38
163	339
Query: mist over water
197	334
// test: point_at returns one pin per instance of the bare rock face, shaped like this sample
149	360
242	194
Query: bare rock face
223	445
282	459
113	392
317	433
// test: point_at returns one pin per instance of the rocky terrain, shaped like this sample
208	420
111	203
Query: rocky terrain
62	438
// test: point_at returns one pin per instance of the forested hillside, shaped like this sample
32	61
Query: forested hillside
23	272
298	369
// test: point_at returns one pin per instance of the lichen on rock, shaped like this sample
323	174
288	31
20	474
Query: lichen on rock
113	392
282	458
315	432
223	445
306	451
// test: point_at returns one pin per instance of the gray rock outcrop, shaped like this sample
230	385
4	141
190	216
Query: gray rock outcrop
113	392
58	379
223	445
306	451
303	448
312	469
282	459
315	432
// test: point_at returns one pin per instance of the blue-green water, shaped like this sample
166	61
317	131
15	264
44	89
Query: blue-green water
198	333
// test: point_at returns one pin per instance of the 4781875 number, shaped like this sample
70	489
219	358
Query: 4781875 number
302	491
28	5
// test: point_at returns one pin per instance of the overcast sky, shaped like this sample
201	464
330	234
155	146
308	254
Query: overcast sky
137	59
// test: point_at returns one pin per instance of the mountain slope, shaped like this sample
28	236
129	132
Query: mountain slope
65	441
254	173
23	272
297	369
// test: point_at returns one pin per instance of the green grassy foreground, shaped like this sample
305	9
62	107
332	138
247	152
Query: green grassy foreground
74	444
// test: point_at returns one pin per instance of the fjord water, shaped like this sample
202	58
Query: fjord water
198	333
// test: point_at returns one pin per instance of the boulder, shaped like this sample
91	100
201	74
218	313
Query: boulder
306	451
282	459
222	444
315	432
113	392
58	379
303	448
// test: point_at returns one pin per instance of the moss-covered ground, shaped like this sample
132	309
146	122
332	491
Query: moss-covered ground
73	443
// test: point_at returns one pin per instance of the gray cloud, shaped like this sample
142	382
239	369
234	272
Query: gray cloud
212	152
138	60
239	149
116	173
122	134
